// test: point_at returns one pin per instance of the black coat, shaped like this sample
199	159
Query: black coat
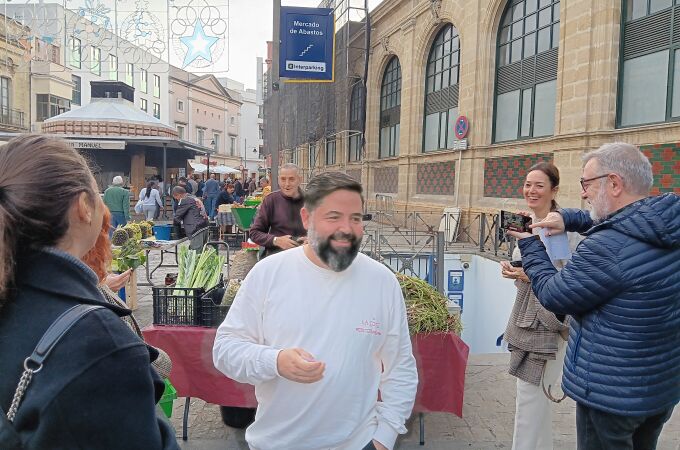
97	390
189	214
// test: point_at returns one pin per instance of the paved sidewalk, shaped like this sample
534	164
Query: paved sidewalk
488	412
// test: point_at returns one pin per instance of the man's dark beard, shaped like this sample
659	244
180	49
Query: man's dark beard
336	260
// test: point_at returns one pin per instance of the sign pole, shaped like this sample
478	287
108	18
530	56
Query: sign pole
276	123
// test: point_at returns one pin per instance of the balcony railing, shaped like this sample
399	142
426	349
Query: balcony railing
12	117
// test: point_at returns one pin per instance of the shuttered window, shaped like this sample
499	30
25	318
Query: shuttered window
390	110
441	90
649	85
526	70
356	105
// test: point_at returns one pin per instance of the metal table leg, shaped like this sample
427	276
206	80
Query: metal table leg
185	419
421	418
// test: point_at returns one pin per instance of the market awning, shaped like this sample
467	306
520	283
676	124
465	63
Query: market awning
224	169
198	167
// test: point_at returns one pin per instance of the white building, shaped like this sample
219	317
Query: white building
250	139
69	51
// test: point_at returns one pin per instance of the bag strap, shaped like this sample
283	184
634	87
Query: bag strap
34	363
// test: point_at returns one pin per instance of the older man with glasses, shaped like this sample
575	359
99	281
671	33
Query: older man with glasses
622	289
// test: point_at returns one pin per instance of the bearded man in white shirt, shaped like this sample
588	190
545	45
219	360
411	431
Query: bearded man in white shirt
320	330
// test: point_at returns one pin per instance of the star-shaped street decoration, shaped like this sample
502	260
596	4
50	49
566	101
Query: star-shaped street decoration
198	45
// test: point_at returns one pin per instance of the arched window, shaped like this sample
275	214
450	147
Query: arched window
390	110
526	70
355	125
441	90
649	81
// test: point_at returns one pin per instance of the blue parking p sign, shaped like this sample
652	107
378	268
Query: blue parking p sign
307	43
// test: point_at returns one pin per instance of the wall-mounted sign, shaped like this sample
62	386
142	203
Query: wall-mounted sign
462	127
97	145
307	50
456	280
456	300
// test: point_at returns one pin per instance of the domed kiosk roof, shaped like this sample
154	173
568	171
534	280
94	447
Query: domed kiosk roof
111	112
109	109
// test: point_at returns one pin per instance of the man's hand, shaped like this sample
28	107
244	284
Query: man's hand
553	224
519	235
285	242
378	445
513	273
295	364
115	282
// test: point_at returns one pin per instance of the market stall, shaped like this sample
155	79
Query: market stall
441	359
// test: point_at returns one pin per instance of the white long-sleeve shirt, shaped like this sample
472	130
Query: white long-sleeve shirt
354	321
153	199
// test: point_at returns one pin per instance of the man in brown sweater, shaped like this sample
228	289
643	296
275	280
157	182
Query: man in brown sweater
278	225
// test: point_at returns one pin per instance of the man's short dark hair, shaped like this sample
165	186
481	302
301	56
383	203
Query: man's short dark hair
178	190
325	184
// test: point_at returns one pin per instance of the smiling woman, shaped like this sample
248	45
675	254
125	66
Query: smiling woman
535	336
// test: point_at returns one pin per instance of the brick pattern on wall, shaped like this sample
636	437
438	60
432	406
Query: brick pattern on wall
665	159
386	180
437	178
355	173
504	177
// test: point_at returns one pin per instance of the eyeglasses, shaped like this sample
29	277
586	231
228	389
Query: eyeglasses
588	180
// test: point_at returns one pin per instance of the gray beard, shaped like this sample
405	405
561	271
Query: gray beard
600	206
337	261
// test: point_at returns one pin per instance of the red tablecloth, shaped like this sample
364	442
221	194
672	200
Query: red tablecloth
441	360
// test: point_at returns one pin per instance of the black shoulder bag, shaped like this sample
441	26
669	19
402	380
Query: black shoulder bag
9	438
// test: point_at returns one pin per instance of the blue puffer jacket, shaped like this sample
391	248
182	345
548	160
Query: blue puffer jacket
622	288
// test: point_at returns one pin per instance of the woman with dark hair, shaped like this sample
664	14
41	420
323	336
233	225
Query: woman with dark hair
149	200
225	218
97	389
536	337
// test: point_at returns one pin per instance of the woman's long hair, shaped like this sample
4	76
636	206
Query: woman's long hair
149	186
99	257
40	178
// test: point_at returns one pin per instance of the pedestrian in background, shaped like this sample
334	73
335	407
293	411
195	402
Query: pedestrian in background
278	225
97	389
210	193
117	199
149	200
622	289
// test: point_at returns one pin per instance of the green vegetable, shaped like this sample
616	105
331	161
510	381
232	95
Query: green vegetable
198	271
129	256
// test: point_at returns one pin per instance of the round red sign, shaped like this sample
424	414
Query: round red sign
462	127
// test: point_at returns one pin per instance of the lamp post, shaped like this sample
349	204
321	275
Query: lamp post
207	169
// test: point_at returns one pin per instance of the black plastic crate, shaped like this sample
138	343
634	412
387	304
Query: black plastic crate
214	232
177	306
234	240
212	312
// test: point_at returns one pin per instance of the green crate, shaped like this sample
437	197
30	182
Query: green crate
252	201
244	217
169	395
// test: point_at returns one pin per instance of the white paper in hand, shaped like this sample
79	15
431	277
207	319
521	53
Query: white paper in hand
556	245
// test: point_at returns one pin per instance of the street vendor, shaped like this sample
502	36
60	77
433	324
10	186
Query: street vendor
277	225
320	330
189	211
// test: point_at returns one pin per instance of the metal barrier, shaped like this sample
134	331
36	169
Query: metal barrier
413	242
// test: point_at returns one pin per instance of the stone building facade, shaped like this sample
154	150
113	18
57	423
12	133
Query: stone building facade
537	80
14	82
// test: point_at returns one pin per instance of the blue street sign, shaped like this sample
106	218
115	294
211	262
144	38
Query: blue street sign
456	280
307	44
